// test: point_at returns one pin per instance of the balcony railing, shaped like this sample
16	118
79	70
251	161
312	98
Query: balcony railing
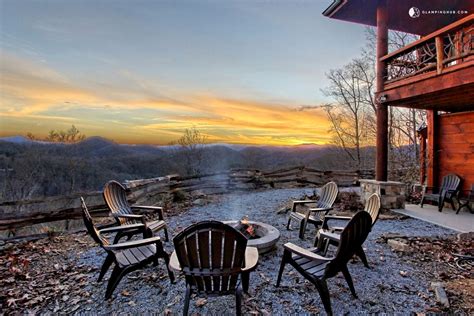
434	53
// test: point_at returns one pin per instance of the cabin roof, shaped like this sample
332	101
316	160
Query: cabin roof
364	12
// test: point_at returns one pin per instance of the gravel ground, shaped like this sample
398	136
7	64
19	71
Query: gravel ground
382	289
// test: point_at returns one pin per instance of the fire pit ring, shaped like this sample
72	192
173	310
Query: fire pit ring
267	235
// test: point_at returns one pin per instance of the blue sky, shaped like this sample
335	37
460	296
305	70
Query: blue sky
142	71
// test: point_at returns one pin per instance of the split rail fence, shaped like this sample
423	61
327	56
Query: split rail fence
19	214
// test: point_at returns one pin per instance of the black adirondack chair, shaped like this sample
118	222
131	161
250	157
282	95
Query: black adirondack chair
314	215
212	256
317	268
332	235
127	256
115	196
447	192
465	202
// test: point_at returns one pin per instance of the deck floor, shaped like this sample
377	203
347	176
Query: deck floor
462	222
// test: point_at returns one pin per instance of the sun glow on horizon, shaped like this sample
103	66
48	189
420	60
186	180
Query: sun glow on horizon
36	99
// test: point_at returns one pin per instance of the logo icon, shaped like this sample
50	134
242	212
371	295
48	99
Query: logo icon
414	12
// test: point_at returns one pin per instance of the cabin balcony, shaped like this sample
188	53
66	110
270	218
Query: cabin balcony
435	72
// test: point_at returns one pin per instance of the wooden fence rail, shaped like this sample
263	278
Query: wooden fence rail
17	214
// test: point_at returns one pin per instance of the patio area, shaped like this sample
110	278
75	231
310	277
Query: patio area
398	281
462	222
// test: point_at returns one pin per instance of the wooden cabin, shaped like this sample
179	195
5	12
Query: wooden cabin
435	73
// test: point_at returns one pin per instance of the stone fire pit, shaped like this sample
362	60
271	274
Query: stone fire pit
266	236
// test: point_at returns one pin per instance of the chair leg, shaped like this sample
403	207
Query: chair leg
461	205
166	234
324	294
238	301
166	257
161	253
186	300
115	278
245	281
284	260
105	266
348	278
289	221
440	204
361	254
302	228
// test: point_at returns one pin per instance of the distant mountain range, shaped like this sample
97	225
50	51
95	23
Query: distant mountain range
38	168
96	141
15	139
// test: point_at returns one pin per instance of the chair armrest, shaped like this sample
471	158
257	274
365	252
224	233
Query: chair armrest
154	209
130	216
320	209
304	252
341	218
335	217
324	234
304	201
251	258
122	228
427	188
453	192
133	243
174	262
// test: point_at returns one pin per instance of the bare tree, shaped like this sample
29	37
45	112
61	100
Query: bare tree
192	150
353	114
72	135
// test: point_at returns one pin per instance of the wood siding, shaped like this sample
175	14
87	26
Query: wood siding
455	147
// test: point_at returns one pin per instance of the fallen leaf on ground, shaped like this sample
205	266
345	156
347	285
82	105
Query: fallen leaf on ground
201	302
125	293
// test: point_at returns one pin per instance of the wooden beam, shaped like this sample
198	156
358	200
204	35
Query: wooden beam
382	111
452	88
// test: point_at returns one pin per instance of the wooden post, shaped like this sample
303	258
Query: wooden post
382	111
422	135
439	54
431	170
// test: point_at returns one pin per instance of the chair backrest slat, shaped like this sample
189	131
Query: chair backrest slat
211	255
450	182
352	238
471	194
115	196
372	207
327	197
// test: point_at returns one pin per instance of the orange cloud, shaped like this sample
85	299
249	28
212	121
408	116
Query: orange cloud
36	98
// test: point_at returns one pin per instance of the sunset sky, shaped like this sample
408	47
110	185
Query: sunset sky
139	71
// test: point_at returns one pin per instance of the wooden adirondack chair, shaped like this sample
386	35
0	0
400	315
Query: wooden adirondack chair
115	196
316	214
332	235
127	256
446	193
212	256
466	201
317	269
